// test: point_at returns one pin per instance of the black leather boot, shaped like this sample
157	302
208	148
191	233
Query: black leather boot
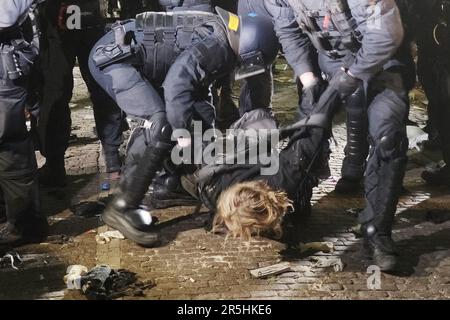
167	192
380	247
125	212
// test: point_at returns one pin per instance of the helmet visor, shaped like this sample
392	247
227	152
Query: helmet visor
251	64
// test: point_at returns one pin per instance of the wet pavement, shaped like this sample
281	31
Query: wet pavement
194	264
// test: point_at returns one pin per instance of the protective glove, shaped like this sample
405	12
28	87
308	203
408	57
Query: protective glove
311	96
345	84
312	93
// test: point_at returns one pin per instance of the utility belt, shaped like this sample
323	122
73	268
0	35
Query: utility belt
90	15
16	59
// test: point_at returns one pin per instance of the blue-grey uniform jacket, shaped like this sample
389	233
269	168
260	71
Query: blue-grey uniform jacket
184	78
378	21
13	12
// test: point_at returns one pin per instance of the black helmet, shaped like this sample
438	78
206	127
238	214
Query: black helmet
253	40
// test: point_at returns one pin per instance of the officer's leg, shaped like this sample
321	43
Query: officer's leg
18	180
227	112
58	60
357	148
440	103
148	148
427	71
2	208
256	92
387	114
108	116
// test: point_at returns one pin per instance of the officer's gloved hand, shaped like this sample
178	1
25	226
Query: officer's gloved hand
344	83
312	93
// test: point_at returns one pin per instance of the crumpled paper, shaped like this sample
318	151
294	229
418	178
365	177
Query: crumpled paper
108	236
73	277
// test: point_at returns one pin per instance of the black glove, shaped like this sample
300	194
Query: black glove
311	96
345	84
312	93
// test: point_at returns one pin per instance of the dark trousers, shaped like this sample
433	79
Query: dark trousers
60	49
18	180
434	75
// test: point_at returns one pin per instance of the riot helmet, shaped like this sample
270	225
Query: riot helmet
253	40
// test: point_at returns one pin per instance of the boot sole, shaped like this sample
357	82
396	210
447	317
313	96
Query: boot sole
116	221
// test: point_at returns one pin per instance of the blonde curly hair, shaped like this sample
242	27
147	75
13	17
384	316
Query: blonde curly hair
250	209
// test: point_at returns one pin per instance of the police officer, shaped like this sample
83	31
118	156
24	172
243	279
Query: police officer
18	179
357	43
257	91
64	41
432	21
160	69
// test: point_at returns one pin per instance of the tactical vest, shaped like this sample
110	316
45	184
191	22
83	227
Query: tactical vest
329	25
202	5
167	35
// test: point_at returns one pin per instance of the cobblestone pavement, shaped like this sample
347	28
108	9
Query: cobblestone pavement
194	264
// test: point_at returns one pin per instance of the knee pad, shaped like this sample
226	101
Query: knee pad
158	131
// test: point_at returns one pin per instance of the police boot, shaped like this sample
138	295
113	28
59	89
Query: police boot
439	176
384	181
125	212
380	247
357	148
53	173
33	231
167	192
148	147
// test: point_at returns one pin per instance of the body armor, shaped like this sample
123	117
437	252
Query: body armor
330	26
167	35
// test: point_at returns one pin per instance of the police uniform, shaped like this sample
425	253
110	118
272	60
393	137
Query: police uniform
357	43
257	91
159	68
167	84
18	180
186	5
60	48
430	24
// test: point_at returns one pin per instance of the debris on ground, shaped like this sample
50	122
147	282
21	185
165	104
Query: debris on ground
273	270
58	239
11	260
108	236
357	230
416	137
89	209
73	277
334	264
405	220
354	212
105	283
438	216
314	247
